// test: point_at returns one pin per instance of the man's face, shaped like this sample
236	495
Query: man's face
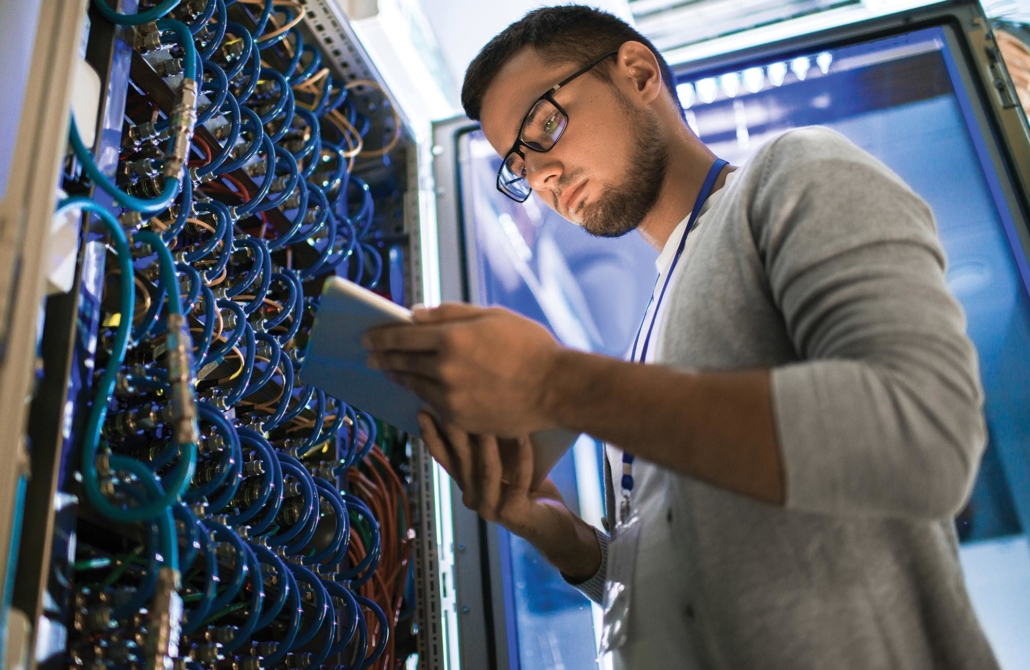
606	170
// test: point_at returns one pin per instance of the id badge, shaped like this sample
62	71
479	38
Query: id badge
618	592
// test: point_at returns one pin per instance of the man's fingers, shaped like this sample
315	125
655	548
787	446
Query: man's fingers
490	473
524	472
463	450
408	337
438	448
449	311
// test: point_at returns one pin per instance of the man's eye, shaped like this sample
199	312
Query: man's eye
551	124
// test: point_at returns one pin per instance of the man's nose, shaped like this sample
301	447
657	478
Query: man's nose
543	170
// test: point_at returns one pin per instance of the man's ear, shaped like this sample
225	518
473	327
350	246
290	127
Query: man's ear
638	70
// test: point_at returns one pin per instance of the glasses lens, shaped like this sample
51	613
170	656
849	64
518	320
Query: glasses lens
511	179
543	125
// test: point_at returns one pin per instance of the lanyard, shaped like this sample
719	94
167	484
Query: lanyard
702	196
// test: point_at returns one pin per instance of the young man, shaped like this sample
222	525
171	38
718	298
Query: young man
809	418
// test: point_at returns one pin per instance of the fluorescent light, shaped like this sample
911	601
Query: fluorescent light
686	95
730	83
707	89
754	79
799	66
777	71
823	60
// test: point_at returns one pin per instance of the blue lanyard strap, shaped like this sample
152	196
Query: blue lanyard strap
702	196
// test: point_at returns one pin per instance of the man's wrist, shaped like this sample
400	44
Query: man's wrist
561	390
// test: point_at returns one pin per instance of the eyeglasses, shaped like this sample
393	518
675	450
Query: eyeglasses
541	129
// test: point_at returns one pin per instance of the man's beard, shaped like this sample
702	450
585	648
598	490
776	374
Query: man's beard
620	209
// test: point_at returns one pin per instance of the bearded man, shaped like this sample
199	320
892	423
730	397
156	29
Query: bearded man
799	418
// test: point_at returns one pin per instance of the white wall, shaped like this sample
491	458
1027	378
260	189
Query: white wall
463	27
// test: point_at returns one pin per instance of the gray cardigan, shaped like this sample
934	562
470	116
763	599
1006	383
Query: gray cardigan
819	263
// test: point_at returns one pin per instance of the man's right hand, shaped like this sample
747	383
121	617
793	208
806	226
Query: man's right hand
494	476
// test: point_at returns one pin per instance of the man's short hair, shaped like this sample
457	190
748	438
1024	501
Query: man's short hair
568	34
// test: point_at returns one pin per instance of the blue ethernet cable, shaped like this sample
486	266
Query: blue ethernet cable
215	40
283	160
250	206
139	19
227	249
275	501
194	285
251	122
235	127
341	532
253	77
362	572
168	192
105	388
315	268
221	222
218	354
220	86
268	486
204	17
298	315
371	434
328	629
243	634
321	606
289	305
313	146
384	630
273	362
321	213
196	615
241	567
310	68
233	69
272	608
316	430
337	590
257	254
261	21
191	544
265	279
307	395
292	467
375	268
284	645
126	604
276	418
243	380
182	211
292	61
204	345
230	455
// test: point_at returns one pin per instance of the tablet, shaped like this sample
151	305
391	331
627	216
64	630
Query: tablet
335	359
335	363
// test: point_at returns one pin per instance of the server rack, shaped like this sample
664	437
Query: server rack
44	523
735	101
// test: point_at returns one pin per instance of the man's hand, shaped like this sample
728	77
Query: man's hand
485	370
494	477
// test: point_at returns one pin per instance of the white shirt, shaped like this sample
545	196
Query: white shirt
658	635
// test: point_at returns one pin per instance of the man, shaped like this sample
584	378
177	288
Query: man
810	418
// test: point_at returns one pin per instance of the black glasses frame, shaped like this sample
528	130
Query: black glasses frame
549	97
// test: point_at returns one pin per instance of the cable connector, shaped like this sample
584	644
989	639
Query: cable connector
147	38
182	124
180	373
165	627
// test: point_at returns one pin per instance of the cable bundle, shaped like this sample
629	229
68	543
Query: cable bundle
234	515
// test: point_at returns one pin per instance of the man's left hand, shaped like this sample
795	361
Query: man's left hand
482	369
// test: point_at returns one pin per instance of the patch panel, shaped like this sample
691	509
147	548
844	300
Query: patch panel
216	511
